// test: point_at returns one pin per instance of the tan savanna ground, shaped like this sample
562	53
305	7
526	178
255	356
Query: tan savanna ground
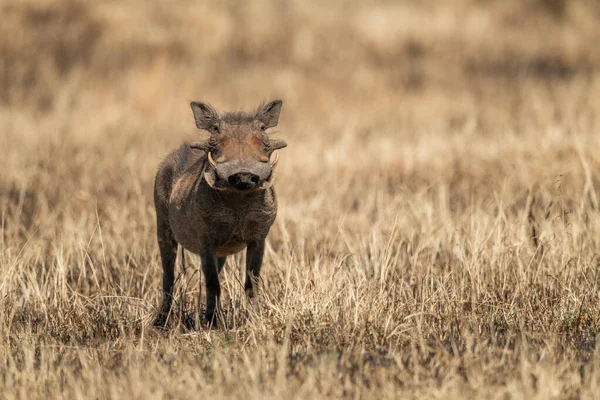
438	233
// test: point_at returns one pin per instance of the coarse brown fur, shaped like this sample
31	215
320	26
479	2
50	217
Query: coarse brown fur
217	208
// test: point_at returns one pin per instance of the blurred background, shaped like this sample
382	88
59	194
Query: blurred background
414	62
94	94
438	198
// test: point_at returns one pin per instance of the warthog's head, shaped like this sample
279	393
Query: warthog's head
239	151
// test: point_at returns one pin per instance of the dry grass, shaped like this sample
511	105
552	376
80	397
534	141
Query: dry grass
438	233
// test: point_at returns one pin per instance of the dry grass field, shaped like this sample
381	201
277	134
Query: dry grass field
438	234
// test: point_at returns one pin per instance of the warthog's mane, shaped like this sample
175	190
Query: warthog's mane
240	117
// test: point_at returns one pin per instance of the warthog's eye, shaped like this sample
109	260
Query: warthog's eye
215	128
263	127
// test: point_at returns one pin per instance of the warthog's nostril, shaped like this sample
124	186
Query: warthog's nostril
243	180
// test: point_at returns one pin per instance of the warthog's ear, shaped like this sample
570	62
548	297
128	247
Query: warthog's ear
206	117
269	113
277	144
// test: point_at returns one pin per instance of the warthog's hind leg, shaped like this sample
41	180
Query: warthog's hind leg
254	259
168	253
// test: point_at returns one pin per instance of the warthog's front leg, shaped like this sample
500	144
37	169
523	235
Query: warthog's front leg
254	259
210	267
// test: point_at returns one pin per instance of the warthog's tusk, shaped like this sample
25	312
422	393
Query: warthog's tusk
275	161
211	162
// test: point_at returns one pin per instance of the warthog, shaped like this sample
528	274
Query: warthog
215	198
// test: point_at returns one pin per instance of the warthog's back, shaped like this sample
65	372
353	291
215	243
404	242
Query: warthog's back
171	169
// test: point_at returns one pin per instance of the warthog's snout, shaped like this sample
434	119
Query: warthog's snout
244	180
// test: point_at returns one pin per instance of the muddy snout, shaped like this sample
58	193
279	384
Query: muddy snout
244	180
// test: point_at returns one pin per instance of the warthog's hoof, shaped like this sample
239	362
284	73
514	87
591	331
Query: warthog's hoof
188	322
160	321
251	292
214	319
